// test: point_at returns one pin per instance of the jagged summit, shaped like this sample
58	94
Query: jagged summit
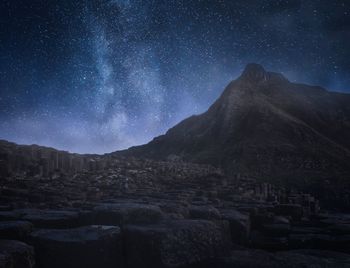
254	72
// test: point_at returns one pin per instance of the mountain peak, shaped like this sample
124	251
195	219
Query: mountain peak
254	72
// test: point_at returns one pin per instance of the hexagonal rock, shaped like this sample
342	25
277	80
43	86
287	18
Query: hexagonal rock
127	213
320	241
17	230
286	259
16	254
180	243
204	213
89	247
293	210
51	218
9	215
266	242
239	225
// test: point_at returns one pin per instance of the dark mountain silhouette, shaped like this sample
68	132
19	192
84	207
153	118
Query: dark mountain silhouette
266	127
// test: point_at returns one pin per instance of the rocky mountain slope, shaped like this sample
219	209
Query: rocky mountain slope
266	127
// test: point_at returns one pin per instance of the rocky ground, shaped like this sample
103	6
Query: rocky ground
141	213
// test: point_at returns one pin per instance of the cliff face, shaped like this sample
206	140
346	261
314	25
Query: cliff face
266	127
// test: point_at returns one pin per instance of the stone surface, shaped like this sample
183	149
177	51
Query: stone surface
51	218
179	243
295	211
266	242
204	212
320	241
153	201
287	259
127	213
15	254
239	225
15	230
89	247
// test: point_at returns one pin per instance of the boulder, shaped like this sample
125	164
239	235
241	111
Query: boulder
266	242
180	243
292	210
9	215
174	210
204	213
239	225
127	213
16	254
259	219
276	229
16	230
89	247
280	220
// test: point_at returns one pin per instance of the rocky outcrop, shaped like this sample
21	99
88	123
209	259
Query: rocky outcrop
267	128
164	214
91	247
127	213
174	244
15	254
18	230
288	259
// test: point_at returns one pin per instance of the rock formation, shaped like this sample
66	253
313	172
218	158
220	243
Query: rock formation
246	203
267	128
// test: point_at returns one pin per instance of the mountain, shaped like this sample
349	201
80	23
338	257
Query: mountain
266	127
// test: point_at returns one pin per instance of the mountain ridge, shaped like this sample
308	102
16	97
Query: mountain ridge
264	126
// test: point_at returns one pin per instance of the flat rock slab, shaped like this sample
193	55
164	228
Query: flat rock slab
43	218
10	215
51	218
286	259
16	254
17	230
89	247
204	213
180	243
293	210
339	229
320	241
266	242
276	229
127	213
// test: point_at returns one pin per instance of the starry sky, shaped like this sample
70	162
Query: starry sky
100	75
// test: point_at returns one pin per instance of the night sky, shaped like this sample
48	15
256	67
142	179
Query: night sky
97	76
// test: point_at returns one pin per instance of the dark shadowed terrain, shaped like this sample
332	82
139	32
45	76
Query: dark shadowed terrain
259	180
270	129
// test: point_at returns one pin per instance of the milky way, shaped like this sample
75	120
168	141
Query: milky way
97	76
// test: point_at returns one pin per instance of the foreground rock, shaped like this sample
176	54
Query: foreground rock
89	247
292	210
180	243
15	254
43	218
51	218
286	259
17	230
239	225
127	213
